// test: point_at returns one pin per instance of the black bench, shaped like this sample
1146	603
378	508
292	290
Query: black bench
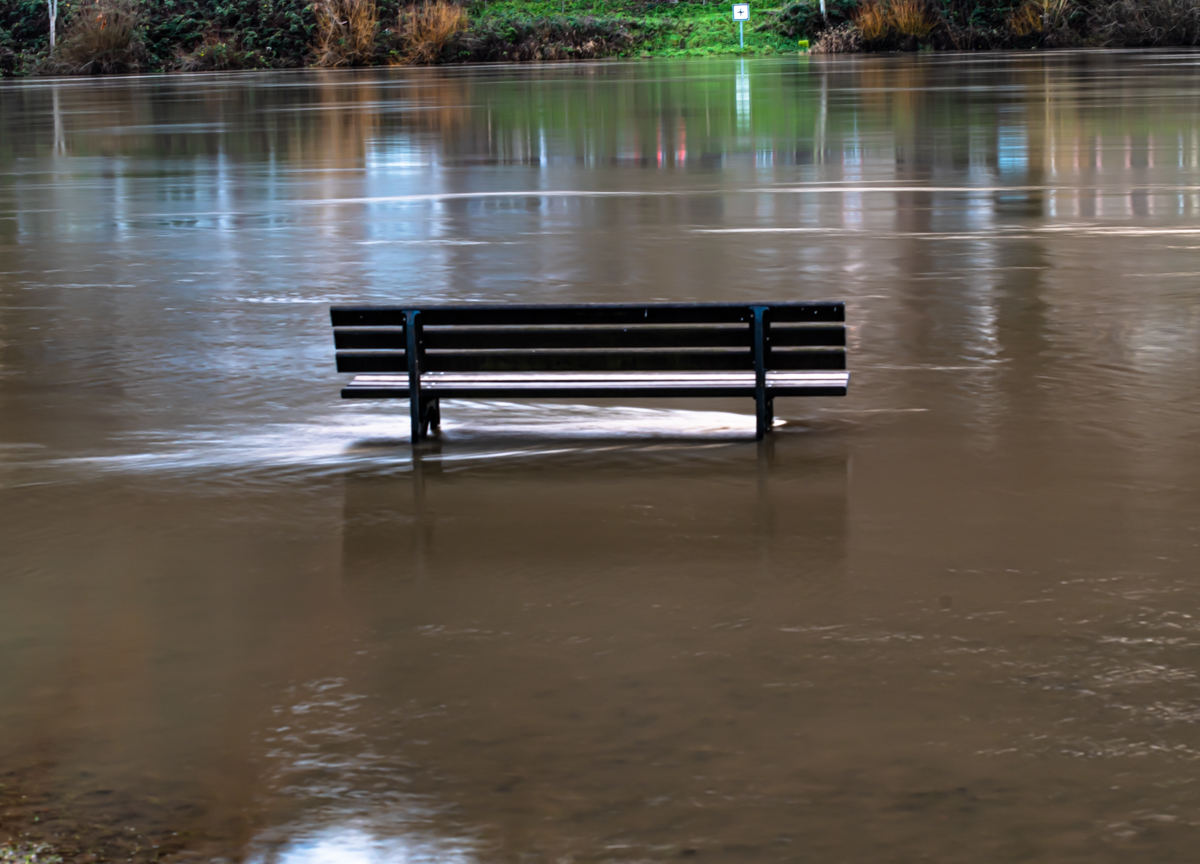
428	353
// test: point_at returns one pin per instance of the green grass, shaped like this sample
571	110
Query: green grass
685	29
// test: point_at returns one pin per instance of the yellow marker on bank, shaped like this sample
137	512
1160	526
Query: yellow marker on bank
803	44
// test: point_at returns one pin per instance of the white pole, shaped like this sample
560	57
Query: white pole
742	35
824	14
53	4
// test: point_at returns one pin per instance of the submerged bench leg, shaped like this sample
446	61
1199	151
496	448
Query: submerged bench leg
763	407
430	416
416	405
414	416
763	411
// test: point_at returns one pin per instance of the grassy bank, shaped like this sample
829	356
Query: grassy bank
650	29
114	36
199	35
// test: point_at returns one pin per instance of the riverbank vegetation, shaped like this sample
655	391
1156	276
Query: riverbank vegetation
113	36
28	853
42	824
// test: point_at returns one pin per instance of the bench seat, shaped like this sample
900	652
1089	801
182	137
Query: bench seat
450	385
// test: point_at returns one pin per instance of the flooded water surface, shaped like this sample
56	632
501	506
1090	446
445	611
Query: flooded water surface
951	617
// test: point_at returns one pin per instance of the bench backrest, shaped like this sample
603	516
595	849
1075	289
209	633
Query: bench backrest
591	337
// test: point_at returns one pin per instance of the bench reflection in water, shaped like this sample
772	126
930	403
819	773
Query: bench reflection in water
628	507
566	634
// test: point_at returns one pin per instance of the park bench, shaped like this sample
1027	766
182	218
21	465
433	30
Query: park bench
596	350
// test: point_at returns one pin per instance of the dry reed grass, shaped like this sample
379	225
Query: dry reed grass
910	18
345	32
871	19
102	38
423	31
1025	20
1054	12
877	19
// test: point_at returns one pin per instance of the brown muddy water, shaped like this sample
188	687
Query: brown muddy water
952	617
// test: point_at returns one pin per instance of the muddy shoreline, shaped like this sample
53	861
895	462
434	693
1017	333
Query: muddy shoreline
39	824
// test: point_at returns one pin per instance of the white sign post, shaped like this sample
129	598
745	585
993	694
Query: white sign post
741	14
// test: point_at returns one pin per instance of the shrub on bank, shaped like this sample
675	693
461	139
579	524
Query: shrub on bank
218	53
24	26
1138	23
172	33
907	25
104	37
550	38
346	32
803	19
280	32
423	32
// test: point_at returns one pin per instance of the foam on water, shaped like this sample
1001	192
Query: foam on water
357	434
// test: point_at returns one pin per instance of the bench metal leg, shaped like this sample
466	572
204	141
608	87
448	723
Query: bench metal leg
760	412
763	407
425	414
430	416
414	416
416	405
765	414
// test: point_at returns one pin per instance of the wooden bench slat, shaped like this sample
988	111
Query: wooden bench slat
642	361
567	378
587	313
479	339
570	361
808	337
794	313
582	338
374	361
371	339
449	385
549	361
801	358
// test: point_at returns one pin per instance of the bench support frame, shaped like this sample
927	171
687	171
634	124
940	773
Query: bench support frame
425	413
764	407
412	325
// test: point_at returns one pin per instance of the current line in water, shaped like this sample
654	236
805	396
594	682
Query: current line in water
785	190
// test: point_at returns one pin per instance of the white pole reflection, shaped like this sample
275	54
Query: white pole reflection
742	87
354	843
60	138
819	137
